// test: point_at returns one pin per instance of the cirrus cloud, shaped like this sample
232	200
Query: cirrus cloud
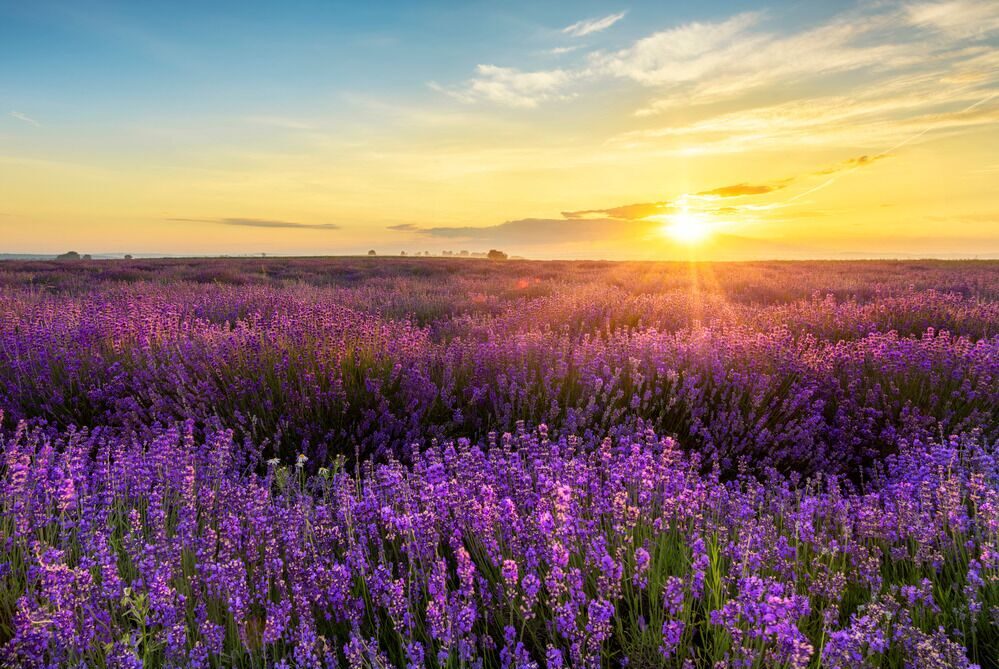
743	189
626	212
510	87
20	116
590	26
260	223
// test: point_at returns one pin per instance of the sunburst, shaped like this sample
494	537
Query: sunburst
687	227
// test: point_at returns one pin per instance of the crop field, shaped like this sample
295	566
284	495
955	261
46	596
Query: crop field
401	462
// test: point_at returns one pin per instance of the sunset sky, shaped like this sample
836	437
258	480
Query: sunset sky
583	130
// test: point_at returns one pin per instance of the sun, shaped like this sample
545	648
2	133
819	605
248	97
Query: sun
687	228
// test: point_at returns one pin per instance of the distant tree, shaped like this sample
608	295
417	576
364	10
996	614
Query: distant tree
128	256
403	253
464	253
372	252
69	255
496	255
86	256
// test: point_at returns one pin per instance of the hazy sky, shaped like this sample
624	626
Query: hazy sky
589	129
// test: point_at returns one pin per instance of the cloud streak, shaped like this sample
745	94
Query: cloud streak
853	163
510	87
560	50
24	117
628	212
535	231
743	189
260	223
590	26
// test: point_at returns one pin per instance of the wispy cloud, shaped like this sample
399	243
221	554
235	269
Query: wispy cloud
534	231
510	87
404	227
24	117
590	26
623	212
685	53
946	98
560	50
853	163
960	18
703	63
260	223
743	189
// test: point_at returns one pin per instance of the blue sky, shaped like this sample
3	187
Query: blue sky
106	61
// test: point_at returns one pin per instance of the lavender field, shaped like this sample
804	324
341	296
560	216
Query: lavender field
386	462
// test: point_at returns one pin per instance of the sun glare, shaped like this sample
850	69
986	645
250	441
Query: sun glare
687	228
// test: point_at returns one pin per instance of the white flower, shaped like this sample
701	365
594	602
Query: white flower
273	462
301	460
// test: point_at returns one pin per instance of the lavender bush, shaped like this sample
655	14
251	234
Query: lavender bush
386	463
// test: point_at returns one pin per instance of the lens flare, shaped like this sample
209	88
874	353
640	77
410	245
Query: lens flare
687	228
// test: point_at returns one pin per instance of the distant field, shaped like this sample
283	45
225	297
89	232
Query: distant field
423	462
